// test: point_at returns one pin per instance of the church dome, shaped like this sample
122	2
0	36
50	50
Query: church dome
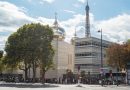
58	31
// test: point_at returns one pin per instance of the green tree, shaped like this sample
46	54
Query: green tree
1	54
29	47
128	41
1	65
116	56
127	48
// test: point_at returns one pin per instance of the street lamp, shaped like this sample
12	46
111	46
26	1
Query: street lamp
101	67
101	49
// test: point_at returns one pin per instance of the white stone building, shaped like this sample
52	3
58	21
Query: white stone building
88	50
64	53
88	54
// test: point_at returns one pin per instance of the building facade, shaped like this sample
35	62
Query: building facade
88	50
63	59
64	53
88	54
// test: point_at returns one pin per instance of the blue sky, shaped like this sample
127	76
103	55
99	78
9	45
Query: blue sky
113	16
102	9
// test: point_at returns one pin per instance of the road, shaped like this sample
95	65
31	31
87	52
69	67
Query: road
64	87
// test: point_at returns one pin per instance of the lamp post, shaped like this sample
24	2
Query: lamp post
101	67
101	49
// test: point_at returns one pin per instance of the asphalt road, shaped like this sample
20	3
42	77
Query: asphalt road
25	86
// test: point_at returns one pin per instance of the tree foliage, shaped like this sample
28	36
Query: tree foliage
1	54
118	55
1	65
31	47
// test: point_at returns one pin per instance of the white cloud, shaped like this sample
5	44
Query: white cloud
77	5
40	1
48	1
82	1
44	20
116	28
78	23
69	11
29	0
12	17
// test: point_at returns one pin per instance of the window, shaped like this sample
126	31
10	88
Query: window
86	54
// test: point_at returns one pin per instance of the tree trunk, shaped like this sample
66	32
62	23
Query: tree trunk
43	76
34	71
26	71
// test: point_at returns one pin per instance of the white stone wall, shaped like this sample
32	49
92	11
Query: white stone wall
63	59
92	59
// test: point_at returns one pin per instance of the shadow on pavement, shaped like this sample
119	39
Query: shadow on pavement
28	85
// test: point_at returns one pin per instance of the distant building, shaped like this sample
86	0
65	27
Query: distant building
88	50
